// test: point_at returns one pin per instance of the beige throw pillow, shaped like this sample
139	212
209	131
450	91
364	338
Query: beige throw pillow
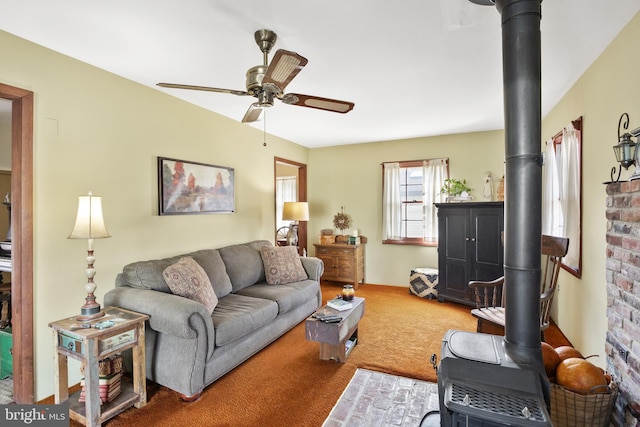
282	264
187	279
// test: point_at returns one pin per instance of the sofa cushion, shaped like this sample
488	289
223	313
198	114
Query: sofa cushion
282	265
237	315
287	296
148	274
244	264
187	279
211	262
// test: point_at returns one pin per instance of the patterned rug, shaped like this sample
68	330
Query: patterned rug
377	399
6	391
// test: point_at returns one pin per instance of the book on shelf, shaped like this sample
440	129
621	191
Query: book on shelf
104	397
350	343
339	304
108	380
109	387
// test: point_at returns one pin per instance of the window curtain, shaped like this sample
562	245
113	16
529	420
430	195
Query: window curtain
286	191
552	221
570	193
561	192
434	173
392	203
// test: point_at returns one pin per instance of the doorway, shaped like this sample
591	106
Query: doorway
285	169
22	240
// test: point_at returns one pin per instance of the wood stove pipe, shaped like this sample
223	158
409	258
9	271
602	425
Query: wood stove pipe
521	67
521	59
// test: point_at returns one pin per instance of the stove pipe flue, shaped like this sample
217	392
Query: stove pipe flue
521	62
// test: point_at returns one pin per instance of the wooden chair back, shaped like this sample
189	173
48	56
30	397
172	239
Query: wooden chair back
553	250
489	296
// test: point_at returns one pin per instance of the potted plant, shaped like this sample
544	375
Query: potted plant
456	190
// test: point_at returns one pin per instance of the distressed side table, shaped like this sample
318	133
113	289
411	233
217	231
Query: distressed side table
90	345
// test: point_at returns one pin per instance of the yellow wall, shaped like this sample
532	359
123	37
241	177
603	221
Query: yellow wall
610	87
351	176
96	131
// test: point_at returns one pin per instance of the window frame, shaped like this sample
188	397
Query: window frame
414	241
574	270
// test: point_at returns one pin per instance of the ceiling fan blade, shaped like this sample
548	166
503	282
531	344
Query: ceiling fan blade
204	88
284	66
252	114
326	104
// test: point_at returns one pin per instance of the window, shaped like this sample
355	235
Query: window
562	192
410	189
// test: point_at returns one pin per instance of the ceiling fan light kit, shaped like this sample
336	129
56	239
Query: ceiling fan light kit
268	81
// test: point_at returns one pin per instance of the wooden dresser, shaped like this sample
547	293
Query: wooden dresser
342	262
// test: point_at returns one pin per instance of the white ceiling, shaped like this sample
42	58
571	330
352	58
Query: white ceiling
412	67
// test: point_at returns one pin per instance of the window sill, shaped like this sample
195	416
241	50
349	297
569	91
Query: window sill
415	242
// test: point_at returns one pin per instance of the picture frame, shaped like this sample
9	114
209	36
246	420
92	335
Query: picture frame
188	188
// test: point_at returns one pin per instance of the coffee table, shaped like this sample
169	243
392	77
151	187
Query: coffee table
337	340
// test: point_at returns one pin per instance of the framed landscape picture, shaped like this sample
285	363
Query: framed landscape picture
186	187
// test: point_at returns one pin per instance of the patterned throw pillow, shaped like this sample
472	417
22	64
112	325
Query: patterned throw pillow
282	264
187	279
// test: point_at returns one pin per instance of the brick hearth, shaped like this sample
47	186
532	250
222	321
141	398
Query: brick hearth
623	294
375	399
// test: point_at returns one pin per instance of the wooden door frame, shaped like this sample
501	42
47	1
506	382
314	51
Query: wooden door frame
302	197
22	240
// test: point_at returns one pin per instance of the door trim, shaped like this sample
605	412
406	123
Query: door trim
302	197
22	240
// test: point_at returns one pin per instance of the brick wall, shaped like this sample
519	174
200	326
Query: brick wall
623	294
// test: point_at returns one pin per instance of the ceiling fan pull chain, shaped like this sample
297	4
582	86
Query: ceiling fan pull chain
264	129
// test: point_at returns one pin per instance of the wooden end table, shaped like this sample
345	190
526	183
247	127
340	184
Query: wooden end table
337	340
91	345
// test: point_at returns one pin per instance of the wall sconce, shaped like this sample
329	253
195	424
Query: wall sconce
626	151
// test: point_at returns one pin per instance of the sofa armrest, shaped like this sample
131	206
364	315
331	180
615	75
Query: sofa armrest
168	313
313	266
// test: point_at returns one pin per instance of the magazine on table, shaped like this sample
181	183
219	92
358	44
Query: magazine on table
339	304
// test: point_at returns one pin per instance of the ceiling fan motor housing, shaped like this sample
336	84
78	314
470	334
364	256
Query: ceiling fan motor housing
254	78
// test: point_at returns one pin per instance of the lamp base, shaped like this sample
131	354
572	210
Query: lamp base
90	310
86	316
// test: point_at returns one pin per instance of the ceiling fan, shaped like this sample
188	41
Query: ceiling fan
268	81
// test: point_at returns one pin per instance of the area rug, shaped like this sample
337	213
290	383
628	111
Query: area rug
378	399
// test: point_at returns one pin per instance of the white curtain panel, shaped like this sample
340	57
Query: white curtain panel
570	193
434	173
286	191
552	222
561	192
392	203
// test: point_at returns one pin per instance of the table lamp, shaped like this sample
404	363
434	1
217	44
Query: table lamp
90	225
294	211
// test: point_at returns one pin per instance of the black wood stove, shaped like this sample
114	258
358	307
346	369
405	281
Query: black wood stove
486	380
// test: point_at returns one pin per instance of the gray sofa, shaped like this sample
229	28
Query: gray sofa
186	347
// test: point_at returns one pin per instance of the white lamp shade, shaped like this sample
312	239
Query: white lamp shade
295	211
89	222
